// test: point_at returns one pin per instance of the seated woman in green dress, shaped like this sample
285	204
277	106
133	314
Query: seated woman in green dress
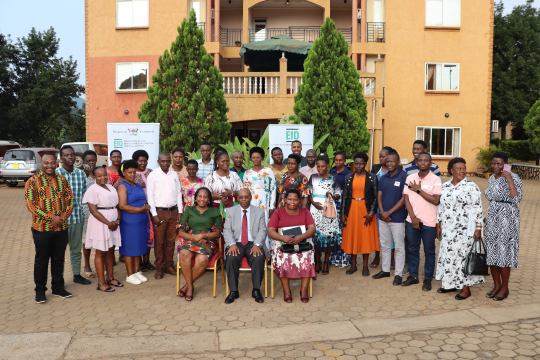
199	232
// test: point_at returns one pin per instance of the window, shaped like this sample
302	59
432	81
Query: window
442	77
260	29
132	76
442	141
444	13
131	13
196	6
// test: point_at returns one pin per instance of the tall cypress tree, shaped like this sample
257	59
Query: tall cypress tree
186	96
330	96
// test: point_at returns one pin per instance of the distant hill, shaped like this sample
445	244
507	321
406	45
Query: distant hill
80	101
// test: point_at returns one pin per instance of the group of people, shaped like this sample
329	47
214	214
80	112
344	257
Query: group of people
286	214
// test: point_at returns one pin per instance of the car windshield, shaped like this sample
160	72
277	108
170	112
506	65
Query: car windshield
21	155
80	147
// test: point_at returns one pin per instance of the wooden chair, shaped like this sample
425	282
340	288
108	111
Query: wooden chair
213	264
272	281
244	267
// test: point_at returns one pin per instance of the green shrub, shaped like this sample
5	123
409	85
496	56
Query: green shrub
517	149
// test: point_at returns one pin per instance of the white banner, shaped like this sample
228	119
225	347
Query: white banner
130	137
283	135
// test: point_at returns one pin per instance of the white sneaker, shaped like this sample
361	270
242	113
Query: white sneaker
141	276
133	279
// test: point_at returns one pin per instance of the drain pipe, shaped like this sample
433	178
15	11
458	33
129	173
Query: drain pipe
372	133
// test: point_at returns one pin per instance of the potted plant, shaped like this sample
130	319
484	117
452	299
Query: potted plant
484	156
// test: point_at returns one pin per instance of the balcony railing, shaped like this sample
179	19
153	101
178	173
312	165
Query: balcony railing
247	85
368	85
230	37
376	32
301	33
202	26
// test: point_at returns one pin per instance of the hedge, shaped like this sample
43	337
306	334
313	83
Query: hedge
517	149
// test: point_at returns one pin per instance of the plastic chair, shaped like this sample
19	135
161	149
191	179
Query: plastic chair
272	281
244	267
213	264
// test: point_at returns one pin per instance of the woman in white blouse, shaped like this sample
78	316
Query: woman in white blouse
223	183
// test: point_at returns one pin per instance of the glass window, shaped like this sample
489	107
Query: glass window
442	76
131	13
21	155
441	141
196	6
446	13
131	76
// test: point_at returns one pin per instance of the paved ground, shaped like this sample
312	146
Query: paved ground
154	309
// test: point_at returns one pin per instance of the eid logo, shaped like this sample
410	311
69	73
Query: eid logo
292	135
118	143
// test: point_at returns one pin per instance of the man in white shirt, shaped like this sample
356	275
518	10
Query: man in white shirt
165	200
311	167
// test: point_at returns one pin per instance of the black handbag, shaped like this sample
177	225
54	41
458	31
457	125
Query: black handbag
475	263
302	246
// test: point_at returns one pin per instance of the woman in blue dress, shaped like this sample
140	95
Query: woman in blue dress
340	258
134	221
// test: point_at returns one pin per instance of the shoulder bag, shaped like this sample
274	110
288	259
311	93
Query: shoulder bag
329	208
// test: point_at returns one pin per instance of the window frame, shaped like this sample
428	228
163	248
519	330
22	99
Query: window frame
131	63
133	26
454	128
443	26
443	64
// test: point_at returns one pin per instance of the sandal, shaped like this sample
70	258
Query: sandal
109	289
498	298
317	266
149	266
181	292
374	264
118	283
90	274
190	297
143	268
327	271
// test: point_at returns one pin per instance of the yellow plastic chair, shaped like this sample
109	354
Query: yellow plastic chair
272	281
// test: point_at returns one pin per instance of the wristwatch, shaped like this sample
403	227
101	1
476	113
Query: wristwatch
418	191
257	245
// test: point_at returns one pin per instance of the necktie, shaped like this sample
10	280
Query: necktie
244	238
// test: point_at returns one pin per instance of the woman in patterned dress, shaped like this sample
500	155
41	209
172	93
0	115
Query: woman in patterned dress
262	184
459	220
190	184
223	183
504	192
200	229
112	171
292	265
340	258
293	179
327	239
177	166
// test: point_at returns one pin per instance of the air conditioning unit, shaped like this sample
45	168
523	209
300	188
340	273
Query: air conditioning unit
494	126
212	14
359	14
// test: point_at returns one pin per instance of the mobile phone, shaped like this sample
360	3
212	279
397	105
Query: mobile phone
420	224
507	168
86	166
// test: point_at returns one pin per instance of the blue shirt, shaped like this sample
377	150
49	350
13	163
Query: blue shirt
205	170
412	168
341	176
392	191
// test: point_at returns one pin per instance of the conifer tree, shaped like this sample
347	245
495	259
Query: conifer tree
330	96
186	96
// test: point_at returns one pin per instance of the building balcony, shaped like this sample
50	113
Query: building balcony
202	26
375	32
301	33
230	37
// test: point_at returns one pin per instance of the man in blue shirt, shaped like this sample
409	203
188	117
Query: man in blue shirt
392	217
419	147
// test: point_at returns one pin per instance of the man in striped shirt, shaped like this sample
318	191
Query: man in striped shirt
419	147
50	200
77	181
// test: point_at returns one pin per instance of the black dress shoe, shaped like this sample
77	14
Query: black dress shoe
427	285
256	294
444	291
460	297
62	293
397	280
381	275
40	297
80	280
411	280
365	273
232	295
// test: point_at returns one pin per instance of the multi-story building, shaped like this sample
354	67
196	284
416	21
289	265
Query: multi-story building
425	64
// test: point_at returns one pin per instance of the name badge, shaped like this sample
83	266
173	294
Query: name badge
396	183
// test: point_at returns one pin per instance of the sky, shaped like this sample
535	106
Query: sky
67	17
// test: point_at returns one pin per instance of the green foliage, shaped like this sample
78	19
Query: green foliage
532	127
330	96
517	149
516	59
37	90
264	143
485	155
186	96
290	119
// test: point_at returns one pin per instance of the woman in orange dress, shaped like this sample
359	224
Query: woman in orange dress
358	207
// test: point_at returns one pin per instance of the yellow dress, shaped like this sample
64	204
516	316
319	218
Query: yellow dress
358	238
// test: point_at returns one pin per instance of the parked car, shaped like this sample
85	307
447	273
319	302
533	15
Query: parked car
19	165
6	145
80	147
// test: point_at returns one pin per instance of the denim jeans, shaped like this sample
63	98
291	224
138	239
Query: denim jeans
415	236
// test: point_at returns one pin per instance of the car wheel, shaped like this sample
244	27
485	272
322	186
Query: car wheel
12	183
78	160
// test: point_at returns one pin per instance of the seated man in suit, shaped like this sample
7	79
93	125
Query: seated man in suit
245	233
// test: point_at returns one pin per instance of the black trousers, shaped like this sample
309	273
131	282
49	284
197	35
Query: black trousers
233	262
49	245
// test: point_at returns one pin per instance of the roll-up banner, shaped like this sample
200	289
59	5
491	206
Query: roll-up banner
283	135
128	138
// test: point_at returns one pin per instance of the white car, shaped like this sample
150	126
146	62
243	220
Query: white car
80	147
